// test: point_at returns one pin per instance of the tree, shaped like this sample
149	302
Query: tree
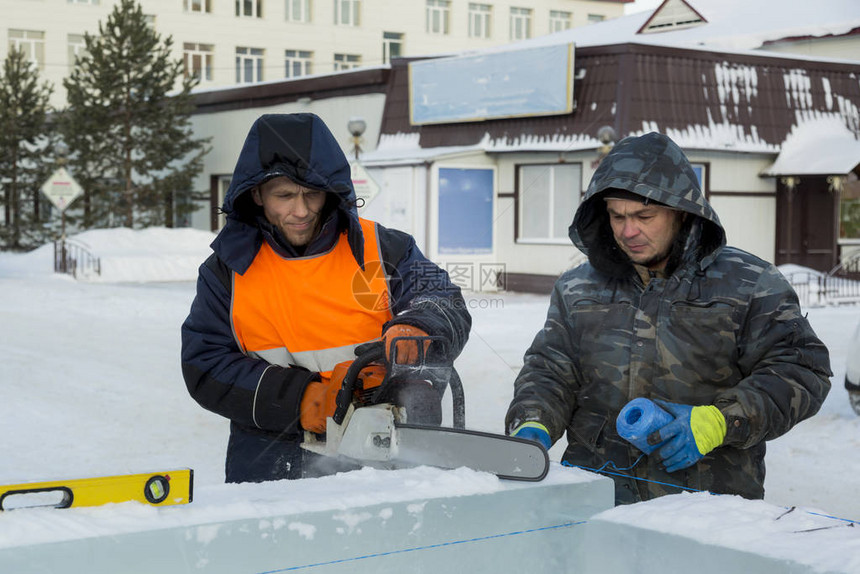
128	125
23	141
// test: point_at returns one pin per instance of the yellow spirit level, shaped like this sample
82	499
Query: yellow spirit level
158	489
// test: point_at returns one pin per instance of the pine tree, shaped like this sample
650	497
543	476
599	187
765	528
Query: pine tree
23	140
128	125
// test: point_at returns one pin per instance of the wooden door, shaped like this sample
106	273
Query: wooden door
806	224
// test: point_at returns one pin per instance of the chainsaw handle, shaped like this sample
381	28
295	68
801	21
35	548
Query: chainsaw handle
458	400
373	352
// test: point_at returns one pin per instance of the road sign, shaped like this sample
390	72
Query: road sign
365	186
61	189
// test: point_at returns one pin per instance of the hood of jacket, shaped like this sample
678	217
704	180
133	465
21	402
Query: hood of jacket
654	167
301	148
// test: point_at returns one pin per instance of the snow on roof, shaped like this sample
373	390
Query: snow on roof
403	148
820	147
730	25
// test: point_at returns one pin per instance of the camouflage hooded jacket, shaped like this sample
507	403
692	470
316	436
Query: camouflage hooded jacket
724	328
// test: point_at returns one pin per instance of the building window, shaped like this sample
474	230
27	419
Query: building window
595	18
346	12
479	20
249	65
30	42
559	21
392	46
198	6
77	47
346	61
198	60
249	8
548	198
299	11
438	16
297	63
521	23
466	211
849	209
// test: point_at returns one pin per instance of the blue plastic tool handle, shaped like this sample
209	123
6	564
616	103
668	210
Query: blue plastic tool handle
639	418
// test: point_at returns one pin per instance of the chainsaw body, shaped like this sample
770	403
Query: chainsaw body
388	414
398	392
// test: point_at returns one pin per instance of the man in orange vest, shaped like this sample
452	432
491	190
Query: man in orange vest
296	283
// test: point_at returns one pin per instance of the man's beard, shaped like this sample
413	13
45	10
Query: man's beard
656	259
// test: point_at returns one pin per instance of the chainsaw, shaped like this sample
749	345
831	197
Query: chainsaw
388	414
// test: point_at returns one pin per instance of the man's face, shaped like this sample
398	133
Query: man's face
295	210
644	232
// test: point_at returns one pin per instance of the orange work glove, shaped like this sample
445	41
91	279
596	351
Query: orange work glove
407	351
320	398
312	409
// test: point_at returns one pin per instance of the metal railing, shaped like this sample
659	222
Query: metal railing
75	259
839	286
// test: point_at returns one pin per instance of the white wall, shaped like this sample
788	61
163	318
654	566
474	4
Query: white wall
536	258
749	220
401	202
745	203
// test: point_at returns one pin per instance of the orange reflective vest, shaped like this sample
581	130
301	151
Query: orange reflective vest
311	311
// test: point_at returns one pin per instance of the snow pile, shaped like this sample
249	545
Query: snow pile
732	25
152	254
125	255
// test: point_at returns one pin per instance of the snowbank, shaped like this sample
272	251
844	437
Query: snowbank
154	254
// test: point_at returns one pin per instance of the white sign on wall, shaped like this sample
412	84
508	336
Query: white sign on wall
365	186
476	87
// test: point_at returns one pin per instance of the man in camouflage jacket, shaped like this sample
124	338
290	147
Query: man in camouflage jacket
713	328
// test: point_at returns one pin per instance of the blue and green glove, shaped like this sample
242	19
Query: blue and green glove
533	431
695	432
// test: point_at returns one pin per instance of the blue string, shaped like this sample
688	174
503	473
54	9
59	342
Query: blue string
611	464
428	547
833	517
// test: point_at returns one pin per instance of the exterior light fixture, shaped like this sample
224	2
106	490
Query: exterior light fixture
356	127
606	136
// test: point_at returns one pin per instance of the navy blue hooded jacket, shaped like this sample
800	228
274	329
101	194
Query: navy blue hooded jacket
261	402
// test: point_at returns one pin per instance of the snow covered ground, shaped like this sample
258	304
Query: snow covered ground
92	385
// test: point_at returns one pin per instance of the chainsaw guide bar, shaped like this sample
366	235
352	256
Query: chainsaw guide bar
370	436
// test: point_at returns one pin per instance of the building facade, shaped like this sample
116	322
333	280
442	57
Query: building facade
773	137
227	42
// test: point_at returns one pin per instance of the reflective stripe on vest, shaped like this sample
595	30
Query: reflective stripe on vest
311	311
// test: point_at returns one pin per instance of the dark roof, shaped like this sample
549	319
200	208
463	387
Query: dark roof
352	83
752	100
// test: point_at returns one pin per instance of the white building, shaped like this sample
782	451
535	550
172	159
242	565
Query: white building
229	42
